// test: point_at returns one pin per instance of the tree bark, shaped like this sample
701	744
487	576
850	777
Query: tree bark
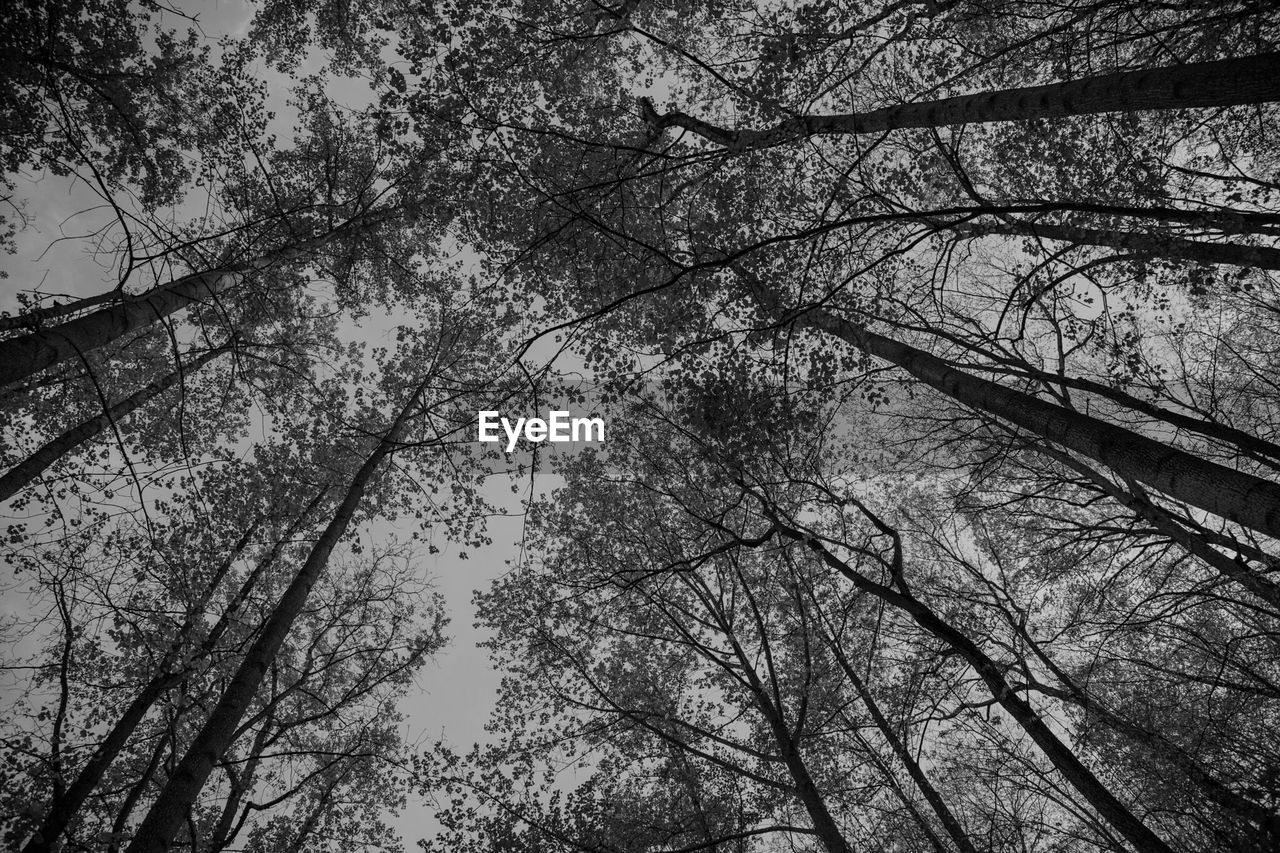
957	832
1259	449
1234	495
167	813
23	356
1234	254
1220	83
36	316
16	478
1231	569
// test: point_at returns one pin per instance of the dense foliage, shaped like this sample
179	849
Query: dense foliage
937	343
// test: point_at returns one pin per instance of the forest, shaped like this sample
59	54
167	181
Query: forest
938	345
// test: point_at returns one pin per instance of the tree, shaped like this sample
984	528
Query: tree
1224	83
707	535
937	342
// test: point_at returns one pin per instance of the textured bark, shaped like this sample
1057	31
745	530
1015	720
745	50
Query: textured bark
1234	495
23	356
28	469
1260	449
1150	245
1059	754
169	811
1221	83
36	317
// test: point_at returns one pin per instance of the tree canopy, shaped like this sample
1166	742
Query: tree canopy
935	344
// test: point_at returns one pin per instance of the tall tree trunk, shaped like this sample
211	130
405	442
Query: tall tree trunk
1230	568
957	832
1258	449
1220	83
1059	754
66	804
1243	498
64	809
824	823
1151	245
17	477
168	812
28	354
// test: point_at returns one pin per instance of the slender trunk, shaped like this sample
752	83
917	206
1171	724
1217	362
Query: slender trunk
1194	544
135	794
824	825
66	805
28	469
1059	754
931	795
1220	83
317	811
168	812
1235	254
1243	498
222	834
28	354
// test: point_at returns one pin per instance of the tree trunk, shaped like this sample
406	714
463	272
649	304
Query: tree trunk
64	807
21	357
1151	245
34	318
168	812
931	795
1258	449
1072	769
27	470
1231	569
28	354
1234	495
1220	83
